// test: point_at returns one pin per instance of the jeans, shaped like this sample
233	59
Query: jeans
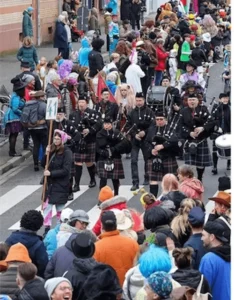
134	161
137	23
26	135
39	137
158	77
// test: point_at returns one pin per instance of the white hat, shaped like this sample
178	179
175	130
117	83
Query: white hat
206	37
139	43
73	75
66	212
52	283
123	222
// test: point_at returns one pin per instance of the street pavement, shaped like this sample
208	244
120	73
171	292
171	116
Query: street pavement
21	191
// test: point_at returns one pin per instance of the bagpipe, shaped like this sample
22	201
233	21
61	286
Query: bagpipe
121	117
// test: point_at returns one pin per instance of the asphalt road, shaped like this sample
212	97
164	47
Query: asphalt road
20	189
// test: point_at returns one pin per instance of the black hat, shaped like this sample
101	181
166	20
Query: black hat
152	35
108	218
224	183
196	216
194	95
83	97
217	229
160	113
25	64
97	43
165	76
160	239
82	246
140	95
61	109
107	119
223	95
109	9
105	90
18	83
191	63
189	84
102	283
223	220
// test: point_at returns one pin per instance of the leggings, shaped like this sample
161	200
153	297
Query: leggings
12	142
48	210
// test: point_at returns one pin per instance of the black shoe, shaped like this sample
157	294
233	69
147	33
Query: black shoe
28	148
14	154
146	182
214	171
76	188
228	167
36	168
92	184
134	187
47	229
70	197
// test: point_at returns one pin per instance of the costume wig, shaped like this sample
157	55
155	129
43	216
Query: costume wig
32	220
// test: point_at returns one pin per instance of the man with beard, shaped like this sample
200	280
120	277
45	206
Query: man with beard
215	265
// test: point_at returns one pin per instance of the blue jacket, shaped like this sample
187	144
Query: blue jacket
27	27
113	29
61	261
112	86
50	240
60	36
114	5
216	267
84	53
35	246
14	111
28	54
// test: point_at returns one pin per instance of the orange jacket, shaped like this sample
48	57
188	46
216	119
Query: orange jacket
117	251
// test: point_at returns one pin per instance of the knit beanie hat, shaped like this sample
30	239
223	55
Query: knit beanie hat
28	78
63	135
105	194
30	8
18	252
160	283
52	283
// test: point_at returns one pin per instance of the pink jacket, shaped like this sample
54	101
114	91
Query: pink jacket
192	188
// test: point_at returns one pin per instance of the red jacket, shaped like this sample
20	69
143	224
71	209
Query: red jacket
162	56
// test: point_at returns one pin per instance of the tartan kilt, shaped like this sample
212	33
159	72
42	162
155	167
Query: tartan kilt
169	166
116	173
202	158
88	156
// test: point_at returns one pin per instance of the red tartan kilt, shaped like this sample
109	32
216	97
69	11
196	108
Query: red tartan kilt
116	173
88	156
169	166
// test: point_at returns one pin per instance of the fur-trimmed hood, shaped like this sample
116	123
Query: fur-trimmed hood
115	201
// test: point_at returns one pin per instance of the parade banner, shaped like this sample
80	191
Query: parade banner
102	85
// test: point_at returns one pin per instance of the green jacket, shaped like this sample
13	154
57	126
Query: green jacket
27	27
185	52
28	54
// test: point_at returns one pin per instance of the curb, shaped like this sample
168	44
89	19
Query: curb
3	142
15	161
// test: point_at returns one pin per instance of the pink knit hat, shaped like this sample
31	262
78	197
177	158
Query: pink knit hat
63	135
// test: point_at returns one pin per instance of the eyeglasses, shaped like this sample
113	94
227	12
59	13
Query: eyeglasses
83	223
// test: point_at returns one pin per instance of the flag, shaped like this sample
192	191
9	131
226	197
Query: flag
102	85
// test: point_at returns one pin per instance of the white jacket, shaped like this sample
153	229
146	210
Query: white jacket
133	75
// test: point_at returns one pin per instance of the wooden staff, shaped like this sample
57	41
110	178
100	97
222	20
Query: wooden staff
46	166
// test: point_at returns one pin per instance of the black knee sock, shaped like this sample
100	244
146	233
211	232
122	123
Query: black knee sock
154	189
70	185
91	171
78	174
215	159
116	185
103	182
200	173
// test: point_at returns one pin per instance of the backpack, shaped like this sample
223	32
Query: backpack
29	116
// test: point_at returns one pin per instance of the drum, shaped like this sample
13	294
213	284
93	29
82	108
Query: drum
223	144
155	98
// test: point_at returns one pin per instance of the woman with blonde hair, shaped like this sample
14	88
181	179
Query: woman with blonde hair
28	53
179	225
170	190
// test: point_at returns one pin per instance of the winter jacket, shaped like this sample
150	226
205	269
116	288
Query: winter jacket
216	267
52	91
8	285
60	36
222	115
57	265
114	5
66	231
199	56
133	282
93	20
33	290
27	27
14	111
84	53
50	241
198	249
135	11
191	278
78	274
183	26
58	182
175	196
35	246
111	86
117	202
216	41
133	76
28	54
41	113
192	188
108	108
96	62
37	86
226	37
162	57
82	88
117	251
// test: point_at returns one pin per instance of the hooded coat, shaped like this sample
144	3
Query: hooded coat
96	62
50	241
15	109
78	274
34	245
33	290
192	188
84	53
28	53
60	36
216	267
133	282
27	27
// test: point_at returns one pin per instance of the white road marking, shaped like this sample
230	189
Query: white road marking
15	196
